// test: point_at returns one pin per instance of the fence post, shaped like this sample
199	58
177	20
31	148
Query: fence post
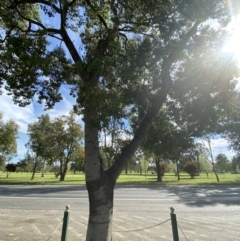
174	225
65	223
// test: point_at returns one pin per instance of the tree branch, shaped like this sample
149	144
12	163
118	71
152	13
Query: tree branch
99	16
115	170
49	30
44	2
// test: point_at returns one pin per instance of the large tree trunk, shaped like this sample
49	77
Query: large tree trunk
63	171
34	170
158	168
101	210
100	189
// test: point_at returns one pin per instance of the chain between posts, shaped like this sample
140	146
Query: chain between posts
183	232
140	229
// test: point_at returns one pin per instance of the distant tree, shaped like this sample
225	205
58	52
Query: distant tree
77	163
171	167
235	163
204	164
8	137
191	168
144	162
222	163
57	140
205	148
165	140
10	168
66	138
39	141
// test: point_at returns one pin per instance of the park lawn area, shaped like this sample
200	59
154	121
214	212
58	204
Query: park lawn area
125	179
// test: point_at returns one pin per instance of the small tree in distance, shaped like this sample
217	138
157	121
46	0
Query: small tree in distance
10	168
191	168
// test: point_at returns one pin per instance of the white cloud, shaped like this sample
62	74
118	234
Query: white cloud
21	115
28	114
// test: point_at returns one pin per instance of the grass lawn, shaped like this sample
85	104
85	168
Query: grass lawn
131	178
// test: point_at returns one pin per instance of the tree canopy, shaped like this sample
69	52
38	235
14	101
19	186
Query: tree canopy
118	58
57	140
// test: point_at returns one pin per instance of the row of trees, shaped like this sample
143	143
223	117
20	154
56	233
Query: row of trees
61	142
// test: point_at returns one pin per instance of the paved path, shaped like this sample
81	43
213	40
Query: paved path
203	213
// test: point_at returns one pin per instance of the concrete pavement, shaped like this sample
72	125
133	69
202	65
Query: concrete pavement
135	218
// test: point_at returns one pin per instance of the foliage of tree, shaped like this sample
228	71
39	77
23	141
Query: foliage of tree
164	140
115	55
231	125
144	165
66	141
222	163
77	163
171	167
8	140
191	168
57	140
236	164
10	168
39	141
25	165
204	164
205	148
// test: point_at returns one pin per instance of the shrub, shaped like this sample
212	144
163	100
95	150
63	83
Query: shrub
191	168
11	167
163	168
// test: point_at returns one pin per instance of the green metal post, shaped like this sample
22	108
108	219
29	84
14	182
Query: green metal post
174	225
65	223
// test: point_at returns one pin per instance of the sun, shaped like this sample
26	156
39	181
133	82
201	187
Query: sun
233	44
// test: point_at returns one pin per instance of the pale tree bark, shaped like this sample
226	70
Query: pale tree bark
100	189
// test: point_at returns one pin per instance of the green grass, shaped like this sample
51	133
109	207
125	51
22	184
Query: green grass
131	178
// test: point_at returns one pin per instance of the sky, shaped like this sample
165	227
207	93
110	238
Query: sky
26	115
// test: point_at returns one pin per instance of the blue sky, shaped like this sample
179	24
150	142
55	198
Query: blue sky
26	115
